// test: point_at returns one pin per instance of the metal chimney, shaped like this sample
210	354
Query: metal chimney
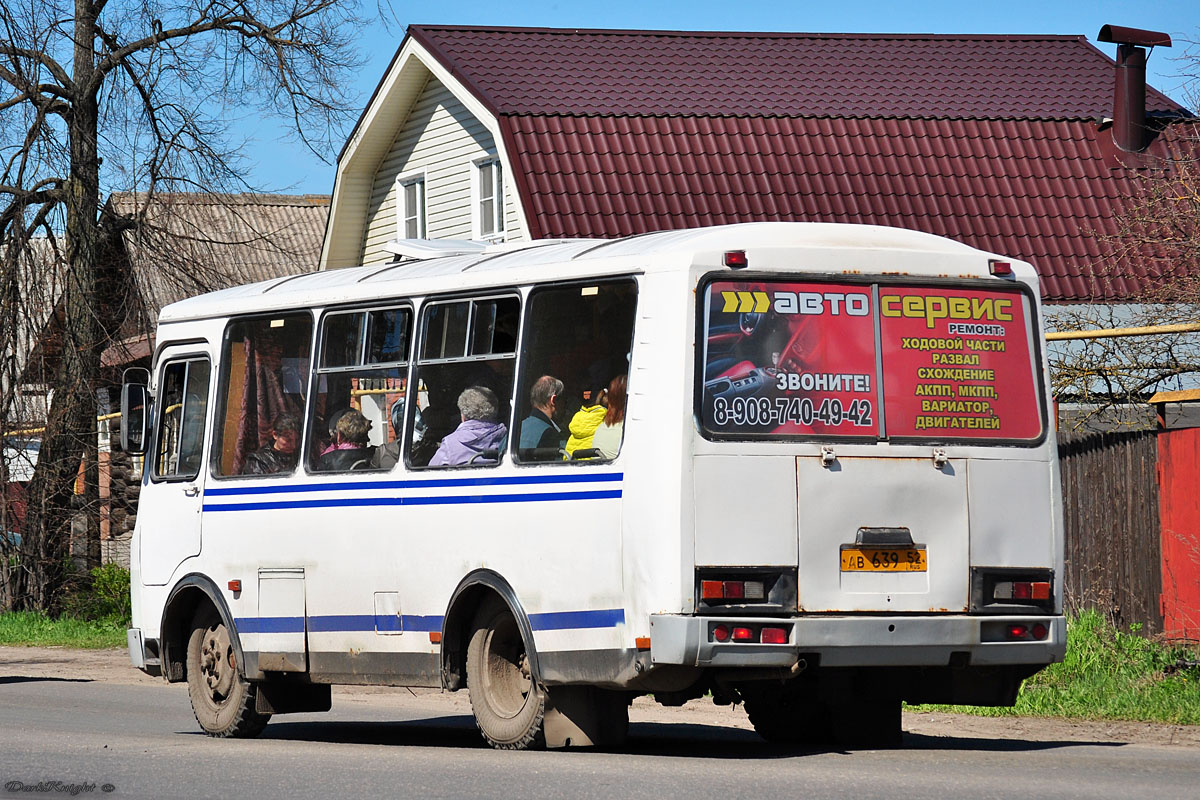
1129	97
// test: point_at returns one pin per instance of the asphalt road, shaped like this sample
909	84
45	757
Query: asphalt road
141	741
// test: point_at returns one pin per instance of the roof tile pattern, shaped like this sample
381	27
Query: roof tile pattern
1035	191
539	71
991	140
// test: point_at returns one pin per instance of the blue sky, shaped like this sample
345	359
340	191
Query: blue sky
278	164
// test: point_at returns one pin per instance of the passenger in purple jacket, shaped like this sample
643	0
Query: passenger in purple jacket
479	432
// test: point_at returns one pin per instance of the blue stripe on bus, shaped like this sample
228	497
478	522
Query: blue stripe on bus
343	502
567	620
269	624
356	623
439	483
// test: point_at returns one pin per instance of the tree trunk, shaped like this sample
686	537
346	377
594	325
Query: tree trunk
71	427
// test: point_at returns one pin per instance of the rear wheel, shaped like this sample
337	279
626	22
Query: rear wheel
222	700
508	704
788	715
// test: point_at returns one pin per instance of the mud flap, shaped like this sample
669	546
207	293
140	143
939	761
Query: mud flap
584	716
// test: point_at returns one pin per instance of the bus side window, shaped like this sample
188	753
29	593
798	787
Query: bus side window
464	379
183	401
362	368
581	334
264	374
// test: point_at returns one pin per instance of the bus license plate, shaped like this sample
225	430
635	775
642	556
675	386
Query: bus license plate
883	559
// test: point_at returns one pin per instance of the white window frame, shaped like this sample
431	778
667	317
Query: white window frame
498	233
404	213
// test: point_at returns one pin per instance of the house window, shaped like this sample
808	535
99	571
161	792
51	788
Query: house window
411	207
489	199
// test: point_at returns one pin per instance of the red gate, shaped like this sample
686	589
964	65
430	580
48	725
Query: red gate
1179	512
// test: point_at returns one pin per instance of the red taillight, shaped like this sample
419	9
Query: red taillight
1039	631
774	636
1022	590
999	267
736	259
721	633
735	590
1017	631
743	634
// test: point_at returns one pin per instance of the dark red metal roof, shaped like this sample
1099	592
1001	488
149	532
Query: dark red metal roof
550	71
990	140
1034	190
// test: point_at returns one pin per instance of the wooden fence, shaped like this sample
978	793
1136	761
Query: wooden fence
1111	516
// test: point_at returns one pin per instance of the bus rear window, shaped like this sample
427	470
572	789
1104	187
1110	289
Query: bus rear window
868	361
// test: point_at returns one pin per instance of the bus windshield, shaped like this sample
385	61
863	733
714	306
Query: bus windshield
868	361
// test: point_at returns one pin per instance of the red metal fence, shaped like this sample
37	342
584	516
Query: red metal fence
1179	481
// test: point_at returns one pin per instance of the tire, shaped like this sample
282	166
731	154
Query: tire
869	723
509	706
222	700
788	715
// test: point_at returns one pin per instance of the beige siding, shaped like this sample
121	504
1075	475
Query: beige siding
442	138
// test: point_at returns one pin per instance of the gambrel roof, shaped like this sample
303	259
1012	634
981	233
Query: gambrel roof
997	141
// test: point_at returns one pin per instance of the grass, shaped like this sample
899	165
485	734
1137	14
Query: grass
1109	675
26	628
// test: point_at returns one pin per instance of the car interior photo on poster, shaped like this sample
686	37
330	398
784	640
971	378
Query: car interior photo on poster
804	467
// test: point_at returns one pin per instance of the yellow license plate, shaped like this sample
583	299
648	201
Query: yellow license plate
883	559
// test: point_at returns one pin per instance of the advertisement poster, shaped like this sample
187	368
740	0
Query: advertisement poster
799	358
789	359
957	364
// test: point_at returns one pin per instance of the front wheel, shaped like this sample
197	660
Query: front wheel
222	700
509	706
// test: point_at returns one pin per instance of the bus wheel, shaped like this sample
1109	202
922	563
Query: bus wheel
509	706
222	700
788	715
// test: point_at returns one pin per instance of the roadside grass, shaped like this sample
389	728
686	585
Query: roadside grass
30	629
96	611
1109	675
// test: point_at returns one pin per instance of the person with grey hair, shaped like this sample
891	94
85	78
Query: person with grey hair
479	437
539	432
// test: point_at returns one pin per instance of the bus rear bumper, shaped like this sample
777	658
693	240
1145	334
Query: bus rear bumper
859	641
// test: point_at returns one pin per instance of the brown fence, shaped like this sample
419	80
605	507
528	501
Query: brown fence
1111	515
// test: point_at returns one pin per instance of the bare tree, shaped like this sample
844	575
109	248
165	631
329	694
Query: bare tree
138	96
1157	244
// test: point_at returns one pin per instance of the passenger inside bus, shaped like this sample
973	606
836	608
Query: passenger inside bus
587	419
351	447
280	455
540	435
607	438
479	437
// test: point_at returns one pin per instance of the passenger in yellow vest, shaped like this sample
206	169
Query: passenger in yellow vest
583	425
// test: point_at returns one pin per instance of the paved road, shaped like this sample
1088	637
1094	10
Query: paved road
143	742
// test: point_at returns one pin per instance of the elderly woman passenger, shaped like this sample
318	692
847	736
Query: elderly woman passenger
479	432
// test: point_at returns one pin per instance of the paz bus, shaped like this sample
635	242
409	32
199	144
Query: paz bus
833	485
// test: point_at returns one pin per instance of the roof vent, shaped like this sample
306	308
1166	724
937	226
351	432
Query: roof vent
1129	97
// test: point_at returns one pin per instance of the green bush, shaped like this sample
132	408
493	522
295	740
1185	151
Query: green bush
101	596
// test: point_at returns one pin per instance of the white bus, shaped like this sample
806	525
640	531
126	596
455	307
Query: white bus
807	467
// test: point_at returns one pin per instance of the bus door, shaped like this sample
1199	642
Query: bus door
173	492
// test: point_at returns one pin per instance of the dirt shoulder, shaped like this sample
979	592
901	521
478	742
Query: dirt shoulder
112	666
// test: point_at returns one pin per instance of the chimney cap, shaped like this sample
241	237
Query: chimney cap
1117	34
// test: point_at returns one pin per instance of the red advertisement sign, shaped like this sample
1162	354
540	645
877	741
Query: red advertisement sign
799	358
790	358
957	364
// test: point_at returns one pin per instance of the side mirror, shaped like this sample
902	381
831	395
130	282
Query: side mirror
135	419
